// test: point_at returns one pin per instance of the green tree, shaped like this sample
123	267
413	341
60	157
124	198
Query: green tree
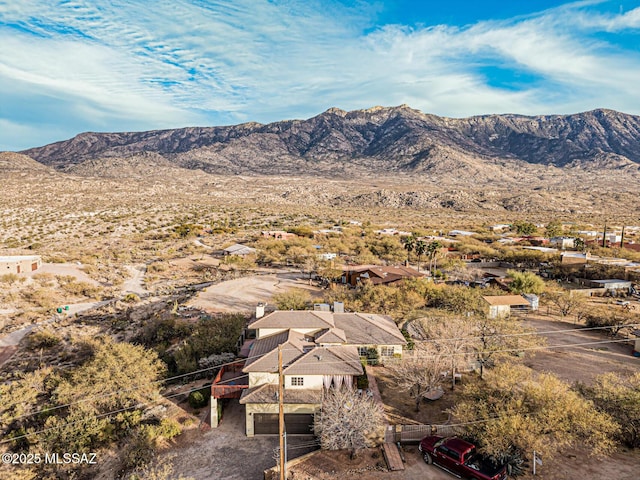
292	299
554	228
619	397
525	228
525	282
515	409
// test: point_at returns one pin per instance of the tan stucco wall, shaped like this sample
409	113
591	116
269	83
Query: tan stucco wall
311	382
19	264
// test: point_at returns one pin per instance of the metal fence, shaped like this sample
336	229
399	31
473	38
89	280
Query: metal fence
415	433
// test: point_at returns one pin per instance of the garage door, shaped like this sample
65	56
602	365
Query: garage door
298	423
295	423
265	423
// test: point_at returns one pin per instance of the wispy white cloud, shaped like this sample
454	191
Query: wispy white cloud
119	65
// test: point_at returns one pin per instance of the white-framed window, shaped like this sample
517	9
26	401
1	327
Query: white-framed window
297	381
387	351
362	351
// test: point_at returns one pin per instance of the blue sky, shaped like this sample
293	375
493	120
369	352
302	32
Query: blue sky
71	66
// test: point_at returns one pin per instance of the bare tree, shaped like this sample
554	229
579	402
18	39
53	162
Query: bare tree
500	337
420	372
565	300
348	420
452	337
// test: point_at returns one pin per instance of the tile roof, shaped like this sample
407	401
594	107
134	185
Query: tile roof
268	393
334	360
369	329
331	335
295	319
264	354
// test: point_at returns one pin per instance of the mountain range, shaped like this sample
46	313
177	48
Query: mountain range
379	140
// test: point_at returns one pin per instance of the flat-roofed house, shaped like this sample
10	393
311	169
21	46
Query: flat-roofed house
20	263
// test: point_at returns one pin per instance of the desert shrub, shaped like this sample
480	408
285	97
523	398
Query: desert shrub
197	400
131	298
9	278
373	357
43	339
362	381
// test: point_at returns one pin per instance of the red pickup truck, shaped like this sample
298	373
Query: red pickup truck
460	458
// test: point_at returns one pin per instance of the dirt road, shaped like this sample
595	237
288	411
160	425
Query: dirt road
242	294
582	362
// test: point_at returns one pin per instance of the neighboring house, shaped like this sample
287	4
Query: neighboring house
378	275
563	243
20	264
574	258
613	285
504	305
393	231
238	249
320	350
461	233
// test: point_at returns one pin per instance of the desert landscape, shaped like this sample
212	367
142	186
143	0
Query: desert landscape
133	252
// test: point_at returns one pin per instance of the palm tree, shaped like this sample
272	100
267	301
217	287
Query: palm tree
409	245
432	250
421	248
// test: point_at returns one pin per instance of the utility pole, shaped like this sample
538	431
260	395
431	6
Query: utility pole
281	414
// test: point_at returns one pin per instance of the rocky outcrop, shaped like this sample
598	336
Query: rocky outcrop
377	140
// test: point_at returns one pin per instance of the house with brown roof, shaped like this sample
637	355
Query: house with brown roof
320	350
505	305
378	275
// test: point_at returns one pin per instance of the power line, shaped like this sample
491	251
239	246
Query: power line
369	362
293	349
500	335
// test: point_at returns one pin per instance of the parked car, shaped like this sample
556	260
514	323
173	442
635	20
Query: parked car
460	458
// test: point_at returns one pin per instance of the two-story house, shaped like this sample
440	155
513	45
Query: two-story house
320	350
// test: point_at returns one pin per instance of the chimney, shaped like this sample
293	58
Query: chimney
259	310
338	307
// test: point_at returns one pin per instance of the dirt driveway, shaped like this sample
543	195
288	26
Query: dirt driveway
242	294
225	453
579	363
